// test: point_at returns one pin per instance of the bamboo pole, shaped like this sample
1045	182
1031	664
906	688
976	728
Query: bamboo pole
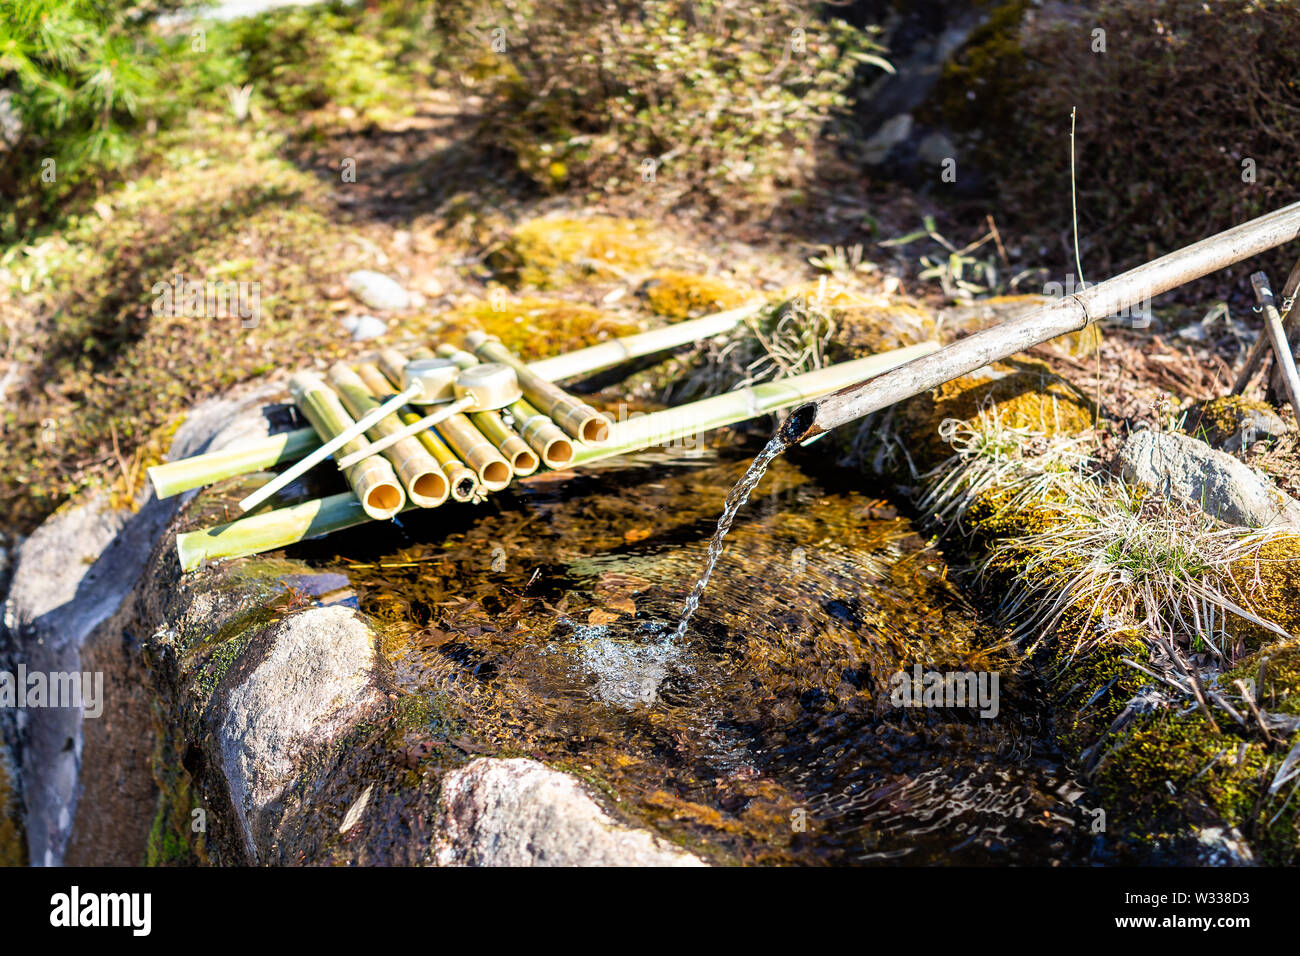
513	448
424	481
576	417
174	477
463	481
542	434
375	485
1261	346
1058	318
1285	361
479	454
277	529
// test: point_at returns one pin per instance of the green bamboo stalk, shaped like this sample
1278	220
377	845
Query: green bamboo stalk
463	481
171	478
513	448
373	480
277	529
423	479
174	477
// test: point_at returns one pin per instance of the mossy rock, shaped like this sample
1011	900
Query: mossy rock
1024	394
1222	422
1169	773
684	295
556	251
532	327
13	847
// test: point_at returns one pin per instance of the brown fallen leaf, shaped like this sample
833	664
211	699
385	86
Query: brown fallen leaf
636	534
624	604
599	617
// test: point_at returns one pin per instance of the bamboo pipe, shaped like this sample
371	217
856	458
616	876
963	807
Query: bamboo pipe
1058	318
1277	334
535	429
513	448
285	526
492	469
463	481
174	477
356	429
425	483
542	434
377	490
577	418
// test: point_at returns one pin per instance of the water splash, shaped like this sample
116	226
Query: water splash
735	501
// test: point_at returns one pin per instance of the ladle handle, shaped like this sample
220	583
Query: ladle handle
338	441
417	426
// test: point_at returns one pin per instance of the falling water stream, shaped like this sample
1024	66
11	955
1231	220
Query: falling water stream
540	624
735	501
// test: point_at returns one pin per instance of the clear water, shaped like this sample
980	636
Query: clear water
540	624
735	501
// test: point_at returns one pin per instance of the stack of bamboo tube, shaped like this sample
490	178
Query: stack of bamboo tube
462	457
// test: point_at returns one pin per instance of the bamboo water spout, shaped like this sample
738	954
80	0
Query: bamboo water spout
1058	318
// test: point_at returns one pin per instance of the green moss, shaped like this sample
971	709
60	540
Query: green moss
1024	394
683	295
1220	419
557	250
532	327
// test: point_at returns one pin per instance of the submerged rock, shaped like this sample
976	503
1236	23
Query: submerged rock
1189	470
521	813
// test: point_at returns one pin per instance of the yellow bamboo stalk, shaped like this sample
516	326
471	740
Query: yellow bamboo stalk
576	417
513	448
373	480
463	481
419	471
542	434
474	449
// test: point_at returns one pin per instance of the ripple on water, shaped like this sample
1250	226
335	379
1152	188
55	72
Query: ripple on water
543	621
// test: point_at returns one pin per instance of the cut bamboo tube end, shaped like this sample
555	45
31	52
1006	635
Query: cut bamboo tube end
578	419
419	472
542	435
513	448
462	481
373	481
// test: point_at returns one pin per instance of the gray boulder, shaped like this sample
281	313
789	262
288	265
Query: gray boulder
316	681
1189	470
521	813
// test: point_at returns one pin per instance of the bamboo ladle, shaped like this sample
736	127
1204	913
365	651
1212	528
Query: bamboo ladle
479	388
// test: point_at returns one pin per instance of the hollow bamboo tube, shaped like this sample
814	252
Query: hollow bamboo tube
423	478
174	477
513	448
276	529
576	417
1059	318
377	489
470	445
463	482
462	358
542	434
476	451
